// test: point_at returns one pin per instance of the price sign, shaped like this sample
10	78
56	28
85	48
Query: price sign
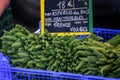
66	16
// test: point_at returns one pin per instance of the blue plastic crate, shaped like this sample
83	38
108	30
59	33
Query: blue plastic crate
5	73
70	76
30	74
99	78
106	33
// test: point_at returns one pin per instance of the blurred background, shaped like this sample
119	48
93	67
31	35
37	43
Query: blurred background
26	13
106	13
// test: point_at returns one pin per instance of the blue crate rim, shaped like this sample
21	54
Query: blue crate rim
105	29
59	74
